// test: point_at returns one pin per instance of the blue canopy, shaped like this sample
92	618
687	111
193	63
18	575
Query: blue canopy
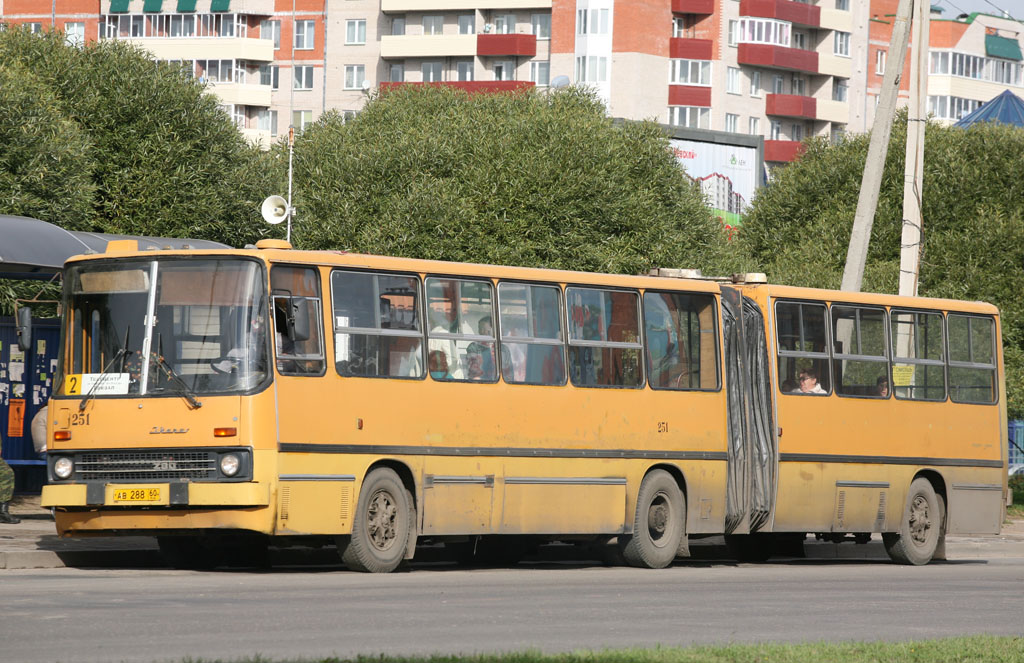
1007	108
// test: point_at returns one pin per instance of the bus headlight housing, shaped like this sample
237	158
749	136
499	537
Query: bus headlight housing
229	465
63	467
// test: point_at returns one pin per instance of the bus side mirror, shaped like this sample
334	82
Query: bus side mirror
298	319
25	328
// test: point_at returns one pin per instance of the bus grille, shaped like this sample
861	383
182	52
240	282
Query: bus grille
146	465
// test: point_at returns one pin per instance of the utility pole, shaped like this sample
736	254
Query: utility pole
913	177
867	202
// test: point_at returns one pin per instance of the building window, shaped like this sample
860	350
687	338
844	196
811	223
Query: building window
734	33
465	70
266	120
880	62
305	35
504	70
732	122
775	130
695	117
355	31
432	72
778	84
800	40
732	81
302	119
765	31
840	90
397	72
592	21
36	28
796	132
754	126
838	133
505	24
74	34
799	85
355	76
270	75
303	77
467	24
591	69
268	30
433	25
951	108
841	44
843	5
690	72
540	73
398	25
755	84
540	24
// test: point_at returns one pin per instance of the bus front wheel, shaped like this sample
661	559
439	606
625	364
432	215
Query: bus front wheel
659	524
920	526
382	524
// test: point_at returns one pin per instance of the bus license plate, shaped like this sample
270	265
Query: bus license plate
136	495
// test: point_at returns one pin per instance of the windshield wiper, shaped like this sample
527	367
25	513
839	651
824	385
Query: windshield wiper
123	352
183	388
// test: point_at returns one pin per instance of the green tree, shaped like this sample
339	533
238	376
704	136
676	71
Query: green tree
798	228
110	141
529	178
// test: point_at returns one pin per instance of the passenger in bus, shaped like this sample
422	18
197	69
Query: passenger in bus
480	356
882	387
789	386
809	382
438	363
445	322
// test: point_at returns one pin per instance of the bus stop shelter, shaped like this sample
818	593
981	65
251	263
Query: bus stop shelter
31	249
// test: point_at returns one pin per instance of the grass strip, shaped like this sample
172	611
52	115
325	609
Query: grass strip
972	649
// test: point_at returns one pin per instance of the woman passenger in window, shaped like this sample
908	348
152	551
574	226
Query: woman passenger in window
808	379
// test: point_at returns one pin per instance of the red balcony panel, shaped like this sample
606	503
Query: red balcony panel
791	105
784	10
778	57
689	95
693	6
690	49
525	45
782	150
473	87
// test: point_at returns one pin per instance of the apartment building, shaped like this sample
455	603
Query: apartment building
781	69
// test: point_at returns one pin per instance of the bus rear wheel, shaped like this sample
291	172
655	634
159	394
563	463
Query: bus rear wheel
659	524
920	526
382	524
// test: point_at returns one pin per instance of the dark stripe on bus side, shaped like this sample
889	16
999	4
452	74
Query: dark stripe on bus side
887	460
516	452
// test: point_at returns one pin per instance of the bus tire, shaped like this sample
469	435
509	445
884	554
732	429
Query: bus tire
659	523
382	523
921	526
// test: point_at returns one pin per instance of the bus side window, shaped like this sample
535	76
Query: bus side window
918	364
682	346
532	346
972	368
801	334
461	330
860	363
604	338
296	306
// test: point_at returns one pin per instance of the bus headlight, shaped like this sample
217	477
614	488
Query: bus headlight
229	465
63	467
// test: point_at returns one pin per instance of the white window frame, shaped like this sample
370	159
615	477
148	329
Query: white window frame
540	73
302	119
467	24
355	76
694	117
540	26
880	61
435	68
841	44
270	29
732	122
433	24
591	69
755	84
302	77
504	24
504	70
399	69
690	72
733	80
355	31
464	70
74	36
754	126
305	35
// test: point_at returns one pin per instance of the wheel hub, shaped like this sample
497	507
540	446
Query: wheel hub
658	517
920	520
381	514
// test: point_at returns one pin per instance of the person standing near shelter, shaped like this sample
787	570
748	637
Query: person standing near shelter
6	493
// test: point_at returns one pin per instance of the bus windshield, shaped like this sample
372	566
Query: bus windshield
166	326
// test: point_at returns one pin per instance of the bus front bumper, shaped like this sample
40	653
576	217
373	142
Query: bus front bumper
174	495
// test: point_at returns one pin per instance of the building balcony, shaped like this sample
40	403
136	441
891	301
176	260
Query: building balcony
690	49
403	6
833	111
791	105
515	44
481	87
778	57
782	150
784	10
258	137
223	48
689	95
693	6
427	46
242	94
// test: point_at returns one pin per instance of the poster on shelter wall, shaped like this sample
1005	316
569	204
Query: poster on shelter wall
16	418
727	175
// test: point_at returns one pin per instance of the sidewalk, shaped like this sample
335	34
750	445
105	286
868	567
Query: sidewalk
34	544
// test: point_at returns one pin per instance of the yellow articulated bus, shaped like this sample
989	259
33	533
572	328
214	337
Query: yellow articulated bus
222	400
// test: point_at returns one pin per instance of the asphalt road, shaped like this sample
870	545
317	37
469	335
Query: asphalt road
163	615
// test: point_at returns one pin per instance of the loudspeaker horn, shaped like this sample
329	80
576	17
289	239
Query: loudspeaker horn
274	209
